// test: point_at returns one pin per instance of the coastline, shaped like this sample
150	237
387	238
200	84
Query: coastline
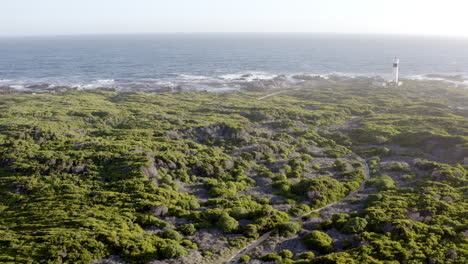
255	81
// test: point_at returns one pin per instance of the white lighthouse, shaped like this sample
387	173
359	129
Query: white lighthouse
396	70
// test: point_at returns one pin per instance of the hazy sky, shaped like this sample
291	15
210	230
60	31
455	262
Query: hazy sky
56	17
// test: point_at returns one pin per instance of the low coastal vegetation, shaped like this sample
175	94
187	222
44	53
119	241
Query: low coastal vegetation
86	175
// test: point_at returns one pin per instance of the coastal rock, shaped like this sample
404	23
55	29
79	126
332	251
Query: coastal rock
41	86
78	169
59	89
305	77
228	164
160	210
7	90
150	173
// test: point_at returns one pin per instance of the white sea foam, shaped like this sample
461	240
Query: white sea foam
261	76
221	82
442	78
231	76
96	84
166	83
193	77
248	76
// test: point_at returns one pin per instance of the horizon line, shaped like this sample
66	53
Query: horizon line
236	33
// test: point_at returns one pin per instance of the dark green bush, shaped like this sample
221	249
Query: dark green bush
227	224
319	241
289	229
382	182
339	220
250	230
171	234
299	210
187	229
173	251
245	258
306	255
271	257
355	225
286	254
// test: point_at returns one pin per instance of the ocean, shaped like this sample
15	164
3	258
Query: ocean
219	61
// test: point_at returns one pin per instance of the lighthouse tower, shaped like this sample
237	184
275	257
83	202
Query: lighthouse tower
396	70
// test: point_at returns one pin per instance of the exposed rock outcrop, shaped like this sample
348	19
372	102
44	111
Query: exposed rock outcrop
160	210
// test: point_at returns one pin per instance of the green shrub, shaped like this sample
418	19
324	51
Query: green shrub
265	172
245	258
296	173
286	254
286	169
306	255
189	244
284	186
247	156
382	182
319	241
289	229
149	220
320	190
373	198
342	258
325	225
238	242
408	177
271	257
171	234
227	224
355	225
299	210
302	261
354	200
239	212
281	177
173	251
339	220
340	165
187	229
250	230
263	200
307	157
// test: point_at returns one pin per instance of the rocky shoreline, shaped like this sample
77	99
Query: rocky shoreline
246	82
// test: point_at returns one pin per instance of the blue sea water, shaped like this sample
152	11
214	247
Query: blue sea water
220	61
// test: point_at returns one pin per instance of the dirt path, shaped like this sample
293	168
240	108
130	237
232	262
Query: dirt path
265	236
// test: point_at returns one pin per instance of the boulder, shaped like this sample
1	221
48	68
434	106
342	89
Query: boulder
160	210
41	86
7	90
78	169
